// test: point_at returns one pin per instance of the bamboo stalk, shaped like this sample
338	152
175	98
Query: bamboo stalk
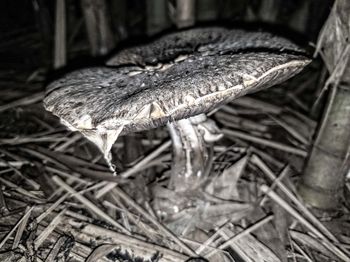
322	183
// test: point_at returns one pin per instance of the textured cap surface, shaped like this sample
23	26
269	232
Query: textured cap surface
177	76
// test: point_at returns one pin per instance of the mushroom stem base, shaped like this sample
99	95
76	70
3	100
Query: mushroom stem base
192	151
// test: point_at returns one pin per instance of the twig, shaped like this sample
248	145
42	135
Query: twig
83	232
52	208
257	104
23	101
295	244
4	240
211	239
88	204
57	248
69	142
241	234
48	230
290	130
134	218
31	182
21	229
289	149
150	218
19	189
26	140
329	245
257	161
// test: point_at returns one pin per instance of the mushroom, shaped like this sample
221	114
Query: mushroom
173	80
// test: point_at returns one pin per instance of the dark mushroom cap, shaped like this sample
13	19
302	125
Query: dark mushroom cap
212	39
213	72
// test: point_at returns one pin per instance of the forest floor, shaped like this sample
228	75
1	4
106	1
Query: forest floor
60	202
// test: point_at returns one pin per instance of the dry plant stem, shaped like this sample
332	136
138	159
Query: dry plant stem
324	240
210	241
61	242
20	189
69	175
306	256
335	76
52	207
21	229
65	145
265	142
24	217
28	100
3	205
144	161
292	131
89	204
198	244
26	140
322	184
135	219
240	235
276	181
60	35
43	21
132	150
31	182
13	164
228	119
97	26
150	218
84	232
49	229
185	13
257	104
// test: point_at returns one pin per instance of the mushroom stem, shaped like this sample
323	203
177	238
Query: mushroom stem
192	146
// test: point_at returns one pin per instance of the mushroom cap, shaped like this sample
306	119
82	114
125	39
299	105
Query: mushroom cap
229	64
210	39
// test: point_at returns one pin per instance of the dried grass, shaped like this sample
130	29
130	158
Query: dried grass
60	202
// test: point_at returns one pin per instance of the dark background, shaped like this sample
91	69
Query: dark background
27	27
